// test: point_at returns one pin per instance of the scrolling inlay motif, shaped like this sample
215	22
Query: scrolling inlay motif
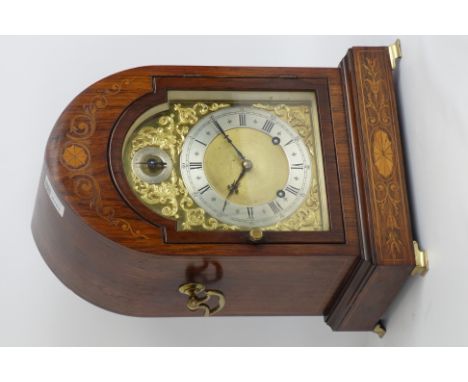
75	156
385	179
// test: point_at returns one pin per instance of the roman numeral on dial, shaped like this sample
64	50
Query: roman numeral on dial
250	212
297	166
242	119
293	190
204	189
268	126
275	207
195	165
291	141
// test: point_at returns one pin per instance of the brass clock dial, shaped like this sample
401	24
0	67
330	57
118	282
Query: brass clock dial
230	161
245	166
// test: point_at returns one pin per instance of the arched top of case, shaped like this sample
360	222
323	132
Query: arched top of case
78	169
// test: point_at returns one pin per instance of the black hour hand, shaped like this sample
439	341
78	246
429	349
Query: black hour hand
234	187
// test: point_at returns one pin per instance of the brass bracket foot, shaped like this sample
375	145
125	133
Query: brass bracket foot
394	51
422	263
380	329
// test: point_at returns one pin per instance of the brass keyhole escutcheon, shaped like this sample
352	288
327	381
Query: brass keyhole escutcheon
199	297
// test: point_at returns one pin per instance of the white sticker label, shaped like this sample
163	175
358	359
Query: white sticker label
53	197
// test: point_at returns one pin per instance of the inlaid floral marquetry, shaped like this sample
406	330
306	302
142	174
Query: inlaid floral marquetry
385	178
75	156
383	153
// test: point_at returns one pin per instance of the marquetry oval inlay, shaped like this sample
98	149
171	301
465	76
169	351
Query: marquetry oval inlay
383	153
75	156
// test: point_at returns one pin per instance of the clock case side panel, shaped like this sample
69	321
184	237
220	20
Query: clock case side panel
387	256
136	283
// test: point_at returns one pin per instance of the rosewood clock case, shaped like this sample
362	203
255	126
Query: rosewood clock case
111	250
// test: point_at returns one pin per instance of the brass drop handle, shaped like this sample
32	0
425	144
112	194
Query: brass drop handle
199	297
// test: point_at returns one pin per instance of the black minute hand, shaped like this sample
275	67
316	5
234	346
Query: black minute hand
215	122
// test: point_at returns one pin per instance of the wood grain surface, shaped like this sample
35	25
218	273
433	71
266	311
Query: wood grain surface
111	250
387	256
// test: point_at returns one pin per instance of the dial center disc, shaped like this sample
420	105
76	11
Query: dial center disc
247	165
266	169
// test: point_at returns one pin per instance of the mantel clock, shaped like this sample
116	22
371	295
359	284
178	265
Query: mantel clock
179	191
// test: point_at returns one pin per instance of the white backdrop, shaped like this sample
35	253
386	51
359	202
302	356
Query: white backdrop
40	76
